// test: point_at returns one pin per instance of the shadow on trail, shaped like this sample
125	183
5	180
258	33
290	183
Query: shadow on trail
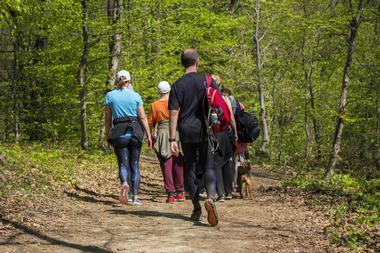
149	159
152	194
155	186
93	193
153	191
54	241
247	224
11	240
89	198
144	213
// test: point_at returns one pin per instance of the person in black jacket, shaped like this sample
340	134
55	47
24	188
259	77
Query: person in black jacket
187	106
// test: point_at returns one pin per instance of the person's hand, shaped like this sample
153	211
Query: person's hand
174	148
150	142
236	144
154	139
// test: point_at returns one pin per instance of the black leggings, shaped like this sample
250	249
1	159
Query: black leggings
223	164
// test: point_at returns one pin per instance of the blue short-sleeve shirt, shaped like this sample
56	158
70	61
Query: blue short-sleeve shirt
123	103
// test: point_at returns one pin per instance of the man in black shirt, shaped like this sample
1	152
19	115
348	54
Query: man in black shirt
188	105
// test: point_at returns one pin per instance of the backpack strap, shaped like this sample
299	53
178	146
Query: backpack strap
212	95
208	86
208	80
212	141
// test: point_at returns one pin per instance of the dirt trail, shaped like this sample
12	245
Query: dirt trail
90	219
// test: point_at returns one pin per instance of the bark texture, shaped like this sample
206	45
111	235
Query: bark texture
258	36
82	77
354	25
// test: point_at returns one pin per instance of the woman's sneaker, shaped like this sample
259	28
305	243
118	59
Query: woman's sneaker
180	197
228	196
136	201
203	194
123	198
221	198
130	195
170	199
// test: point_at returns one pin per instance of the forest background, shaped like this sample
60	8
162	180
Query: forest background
310	70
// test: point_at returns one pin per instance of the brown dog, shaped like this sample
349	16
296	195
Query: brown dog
244	178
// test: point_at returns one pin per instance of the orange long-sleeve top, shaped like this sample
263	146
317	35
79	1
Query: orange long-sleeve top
158	112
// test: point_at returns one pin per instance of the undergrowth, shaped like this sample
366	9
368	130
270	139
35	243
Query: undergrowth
355	218
39	167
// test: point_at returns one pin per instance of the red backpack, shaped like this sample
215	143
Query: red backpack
219	115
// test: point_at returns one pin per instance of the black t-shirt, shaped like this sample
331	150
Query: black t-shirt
188	95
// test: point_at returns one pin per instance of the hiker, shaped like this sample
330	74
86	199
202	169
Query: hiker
234	103
241	152
124	110
187	106
223	157
171	166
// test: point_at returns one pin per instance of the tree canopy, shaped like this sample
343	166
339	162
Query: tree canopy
302	46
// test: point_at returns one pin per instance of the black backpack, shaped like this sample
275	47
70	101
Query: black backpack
247	125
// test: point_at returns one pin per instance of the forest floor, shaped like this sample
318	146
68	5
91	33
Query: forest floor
89	218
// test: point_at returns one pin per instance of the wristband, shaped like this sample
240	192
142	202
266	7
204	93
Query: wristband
172	139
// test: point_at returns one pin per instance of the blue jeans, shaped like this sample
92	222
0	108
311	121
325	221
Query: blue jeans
128	151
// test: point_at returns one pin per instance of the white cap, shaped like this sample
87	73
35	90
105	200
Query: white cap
163	87
123	73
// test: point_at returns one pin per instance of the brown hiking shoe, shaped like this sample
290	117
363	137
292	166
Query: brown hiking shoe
212	216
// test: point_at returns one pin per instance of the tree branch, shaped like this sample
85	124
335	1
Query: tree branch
261	38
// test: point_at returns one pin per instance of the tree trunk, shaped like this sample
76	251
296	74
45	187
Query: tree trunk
129	26
82	77
354	25
7	126
15	77
377	145
114	14
310	101
258	36
15	90
115	9
308	73
39	90
306	127
309	84
314	120
376	152
158	38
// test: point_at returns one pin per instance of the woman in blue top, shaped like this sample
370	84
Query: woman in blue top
124	110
